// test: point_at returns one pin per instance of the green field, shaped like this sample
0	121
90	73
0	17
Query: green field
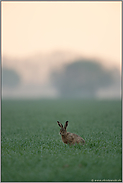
32	149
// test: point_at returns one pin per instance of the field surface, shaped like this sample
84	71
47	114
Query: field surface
32	149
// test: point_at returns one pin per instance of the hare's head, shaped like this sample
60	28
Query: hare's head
63	129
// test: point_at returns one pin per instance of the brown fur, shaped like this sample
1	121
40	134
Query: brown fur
69	138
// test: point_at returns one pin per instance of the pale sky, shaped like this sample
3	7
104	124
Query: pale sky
33	31
92	29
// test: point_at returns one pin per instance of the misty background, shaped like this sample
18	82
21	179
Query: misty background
59	75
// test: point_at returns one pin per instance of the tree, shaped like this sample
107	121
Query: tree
10	78
81	79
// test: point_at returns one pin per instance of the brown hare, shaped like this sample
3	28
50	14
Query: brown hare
69	138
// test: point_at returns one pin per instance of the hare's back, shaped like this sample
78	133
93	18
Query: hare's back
73	136
77	138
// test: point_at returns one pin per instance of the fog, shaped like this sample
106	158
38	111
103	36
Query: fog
59	75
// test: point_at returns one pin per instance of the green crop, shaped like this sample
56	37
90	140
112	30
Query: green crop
32	149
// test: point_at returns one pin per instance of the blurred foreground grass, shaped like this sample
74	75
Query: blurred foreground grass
32	149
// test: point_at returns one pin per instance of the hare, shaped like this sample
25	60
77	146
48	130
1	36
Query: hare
69	138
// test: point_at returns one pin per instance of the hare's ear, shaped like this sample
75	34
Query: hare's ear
66	124
60	124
